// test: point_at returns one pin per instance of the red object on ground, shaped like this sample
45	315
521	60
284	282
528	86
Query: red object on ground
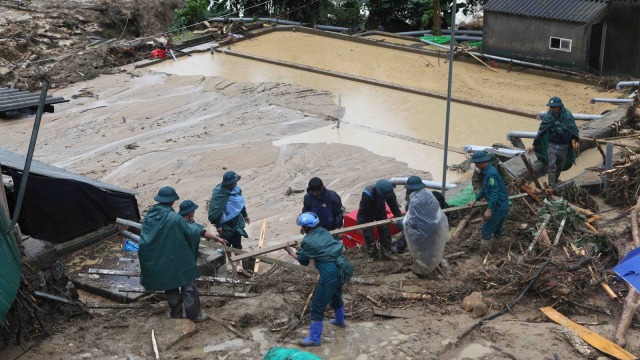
158	53
352	238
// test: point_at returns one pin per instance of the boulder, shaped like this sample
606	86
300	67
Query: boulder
469	302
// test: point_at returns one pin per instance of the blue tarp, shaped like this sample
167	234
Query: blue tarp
629	268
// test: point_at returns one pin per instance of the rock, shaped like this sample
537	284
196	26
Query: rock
472	300
480	310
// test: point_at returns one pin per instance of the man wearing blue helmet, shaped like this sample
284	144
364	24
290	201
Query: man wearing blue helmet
372	208
334	270
553	143
495	192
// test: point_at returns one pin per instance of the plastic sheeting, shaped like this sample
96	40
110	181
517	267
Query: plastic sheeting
426	229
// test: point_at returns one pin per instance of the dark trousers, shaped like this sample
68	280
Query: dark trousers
189	298
328	290
384	236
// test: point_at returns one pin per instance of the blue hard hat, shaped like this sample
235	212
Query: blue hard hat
384	187
166	195
480	156
555	102
308	219
187	207
414	183
230	177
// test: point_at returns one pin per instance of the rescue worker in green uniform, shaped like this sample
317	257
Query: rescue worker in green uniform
227	212
334	270
477	180
553	143
168	253
495	192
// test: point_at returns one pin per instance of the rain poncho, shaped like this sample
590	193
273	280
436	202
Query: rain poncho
558	125
426	229
227	210
168	249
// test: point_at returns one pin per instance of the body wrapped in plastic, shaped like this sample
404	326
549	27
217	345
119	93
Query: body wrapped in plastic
426	229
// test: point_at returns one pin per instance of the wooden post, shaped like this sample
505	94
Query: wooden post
532	174
557	240
538	234
263	231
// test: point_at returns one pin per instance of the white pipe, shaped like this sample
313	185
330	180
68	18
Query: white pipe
575	116
131	236
622	84
521	135
612	101
429	184
129	223
491	149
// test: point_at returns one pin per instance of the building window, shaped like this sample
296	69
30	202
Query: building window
560	44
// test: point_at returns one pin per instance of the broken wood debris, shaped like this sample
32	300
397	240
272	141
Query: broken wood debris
155	344
216	294
538	234
532	173
589	336
576	342
201	278
393	313
264	250
228	327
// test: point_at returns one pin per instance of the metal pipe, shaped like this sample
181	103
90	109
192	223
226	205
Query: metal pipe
429	184
612	101
622	84
608	165
447	31
463	32
434	44
32	147
448	114
125	222
491	149
467	38
131	236
521	135
331	28
541	114
413	33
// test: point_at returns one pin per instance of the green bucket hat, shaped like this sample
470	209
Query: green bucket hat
166	195
480	157
555	102
414	183
187	207
230	177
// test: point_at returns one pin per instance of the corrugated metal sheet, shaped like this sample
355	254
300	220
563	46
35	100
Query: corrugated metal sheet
9	266
580	11
14	99
16	161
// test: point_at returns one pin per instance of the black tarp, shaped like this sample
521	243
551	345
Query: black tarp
58	210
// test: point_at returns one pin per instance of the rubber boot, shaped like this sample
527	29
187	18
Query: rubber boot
315	332
372	251
552	181
495	244
339	320
385	249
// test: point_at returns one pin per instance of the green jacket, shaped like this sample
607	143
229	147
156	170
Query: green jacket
168	249
217	204
494	190
477	179
326	252
557	124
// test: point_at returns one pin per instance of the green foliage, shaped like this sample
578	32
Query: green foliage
594	243
344	13
192	12
559	208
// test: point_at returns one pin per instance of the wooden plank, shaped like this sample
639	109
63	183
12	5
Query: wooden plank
264	250
264	259
218	294
201	278
532	173
538	234
531	193
560	229
43	295
263	232
589	336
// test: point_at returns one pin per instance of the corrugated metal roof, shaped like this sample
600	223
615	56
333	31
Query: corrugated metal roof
9	265
16	161
14	99
581	11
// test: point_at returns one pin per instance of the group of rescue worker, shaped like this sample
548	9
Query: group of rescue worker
169	241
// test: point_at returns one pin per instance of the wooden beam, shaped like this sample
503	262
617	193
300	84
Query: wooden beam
263	232
201	278
589	336
265	250
264	259
532	173
218	294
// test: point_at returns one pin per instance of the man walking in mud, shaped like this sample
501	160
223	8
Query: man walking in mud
227	212
553	143
372	208
495	192
168	253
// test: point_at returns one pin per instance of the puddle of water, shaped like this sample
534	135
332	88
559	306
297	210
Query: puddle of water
222	346
474	351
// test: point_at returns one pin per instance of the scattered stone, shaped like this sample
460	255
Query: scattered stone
469	302
480	310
